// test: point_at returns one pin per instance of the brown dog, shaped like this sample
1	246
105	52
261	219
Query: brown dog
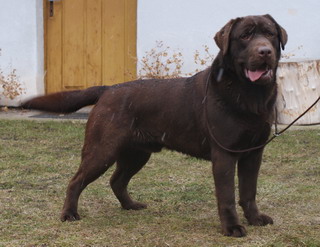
229	104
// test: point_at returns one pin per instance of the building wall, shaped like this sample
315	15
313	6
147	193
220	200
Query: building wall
21	44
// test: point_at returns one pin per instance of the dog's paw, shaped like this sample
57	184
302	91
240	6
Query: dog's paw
237	231
134	206
69	216
260	220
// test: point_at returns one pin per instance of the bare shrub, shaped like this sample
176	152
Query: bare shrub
203	60
157	63
11	86
161	63
292	53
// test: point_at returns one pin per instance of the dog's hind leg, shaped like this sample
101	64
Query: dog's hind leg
91	168
129	162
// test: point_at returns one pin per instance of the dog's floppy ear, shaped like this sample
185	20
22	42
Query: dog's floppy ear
283	37
222	37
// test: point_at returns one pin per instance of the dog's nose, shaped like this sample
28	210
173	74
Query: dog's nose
264	51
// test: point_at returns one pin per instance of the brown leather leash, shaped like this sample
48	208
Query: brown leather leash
275	134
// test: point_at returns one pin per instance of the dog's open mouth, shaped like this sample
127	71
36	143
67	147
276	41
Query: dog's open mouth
254	75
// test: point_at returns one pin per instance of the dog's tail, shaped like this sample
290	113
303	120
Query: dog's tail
66	102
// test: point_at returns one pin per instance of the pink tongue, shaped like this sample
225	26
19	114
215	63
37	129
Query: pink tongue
255	75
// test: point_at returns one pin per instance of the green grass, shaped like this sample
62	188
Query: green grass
37	159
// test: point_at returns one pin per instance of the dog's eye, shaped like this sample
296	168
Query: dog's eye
269	34
246	36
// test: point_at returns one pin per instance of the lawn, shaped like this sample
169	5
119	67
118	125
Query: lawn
37	159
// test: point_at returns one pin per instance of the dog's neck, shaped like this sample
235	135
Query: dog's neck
239	94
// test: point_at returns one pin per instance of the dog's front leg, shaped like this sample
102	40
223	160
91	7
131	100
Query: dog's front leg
223	165
248	170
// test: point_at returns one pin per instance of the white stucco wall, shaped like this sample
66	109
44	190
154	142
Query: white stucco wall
187	25
21	44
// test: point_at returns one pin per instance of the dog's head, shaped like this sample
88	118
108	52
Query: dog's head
251	47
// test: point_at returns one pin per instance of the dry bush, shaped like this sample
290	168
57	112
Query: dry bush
292	53
203	60
157	63
161	63
11	86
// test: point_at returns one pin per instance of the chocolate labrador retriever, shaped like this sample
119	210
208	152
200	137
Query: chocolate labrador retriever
218	114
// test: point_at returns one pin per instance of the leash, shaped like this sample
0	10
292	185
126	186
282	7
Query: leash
275	134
